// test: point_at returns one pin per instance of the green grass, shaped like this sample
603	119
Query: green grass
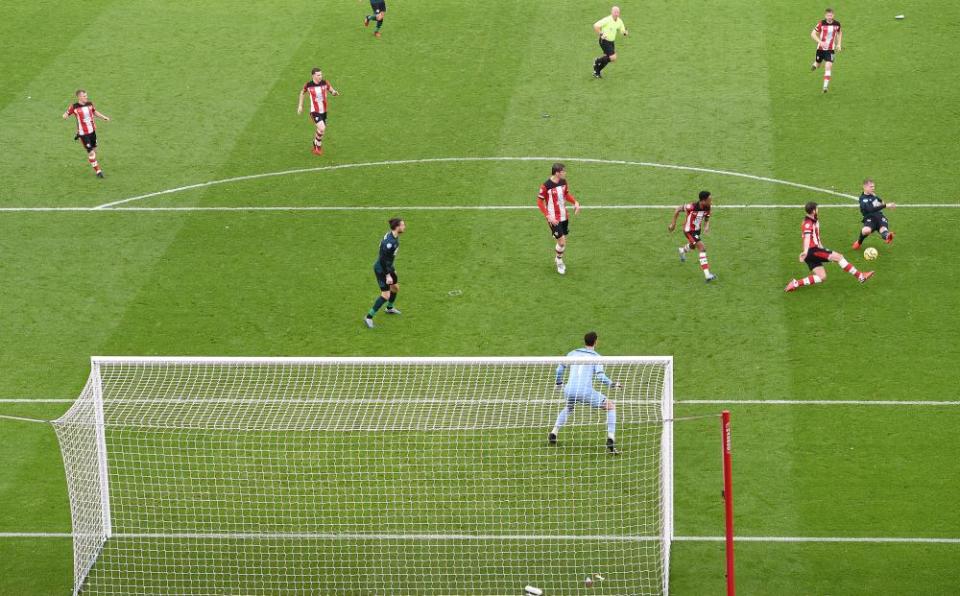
206	91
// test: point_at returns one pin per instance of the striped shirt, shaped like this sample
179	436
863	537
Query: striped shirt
811	228
553	198
84	114
696	217
828	34
318	95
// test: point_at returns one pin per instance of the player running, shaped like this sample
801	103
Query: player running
85	113
579	389
829	39
317	88
379	11
815	255
871	207
385	273
607	28
552	200
698	216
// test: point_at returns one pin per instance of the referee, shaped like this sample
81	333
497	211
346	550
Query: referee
607	28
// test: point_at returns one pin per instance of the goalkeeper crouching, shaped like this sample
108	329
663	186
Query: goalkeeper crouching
579	389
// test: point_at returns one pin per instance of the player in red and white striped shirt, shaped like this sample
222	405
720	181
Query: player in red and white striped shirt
815	255
85	113
552	200
317	88
698	217
829	39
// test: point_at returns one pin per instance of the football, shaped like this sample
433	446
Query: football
871	254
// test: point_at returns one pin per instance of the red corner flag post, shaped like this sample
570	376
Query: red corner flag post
728	500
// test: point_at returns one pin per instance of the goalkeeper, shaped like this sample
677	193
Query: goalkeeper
579	388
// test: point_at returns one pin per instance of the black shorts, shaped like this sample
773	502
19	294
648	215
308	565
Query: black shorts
607	46
318	117
693	237
89	141
824	56
561	229
378	7
382	279
875	222
817	256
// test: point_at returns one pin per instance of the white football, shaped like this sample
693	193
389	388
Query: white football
871	254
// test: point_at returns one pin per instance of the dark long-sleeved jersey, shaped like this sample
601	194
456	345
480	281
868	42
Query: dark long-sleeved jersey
871	205
388	251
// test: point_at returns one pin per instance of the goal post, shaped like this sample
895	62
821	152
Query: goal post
368	475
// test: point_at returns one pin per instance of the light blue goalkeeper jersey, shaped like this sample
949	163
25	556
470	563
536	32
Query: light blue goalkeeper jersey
582	375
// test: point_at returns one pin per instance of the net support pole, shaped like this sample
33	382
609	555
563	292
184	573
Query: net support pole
101	439
666	472
728	501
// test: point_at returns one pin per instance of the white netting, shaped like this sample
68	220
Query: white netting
365	476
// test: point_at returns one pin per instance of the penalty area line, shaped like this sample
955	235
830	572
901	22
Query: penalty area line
497	537
683	402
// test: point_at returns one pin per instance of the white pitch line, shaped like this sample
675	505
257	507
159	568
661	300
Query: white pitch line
824	539
337	401
473	159
36	535
29	400
501	537
736	402
396	208
342	536
815	402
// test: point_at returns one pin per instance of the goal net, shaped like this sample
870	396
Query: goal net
366	476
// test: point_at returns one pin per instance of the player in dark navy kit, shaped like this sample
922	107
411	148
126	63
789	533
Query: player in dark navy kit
384	271
379	8
871	207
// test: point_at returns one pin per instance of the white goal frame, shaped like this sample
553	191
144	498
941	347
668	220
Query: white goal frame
95	394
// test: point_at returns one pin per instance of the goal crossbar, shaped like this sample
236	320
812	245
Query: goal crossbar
331	360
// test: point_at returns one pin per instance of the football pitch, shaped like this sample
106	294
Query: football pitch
217	232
